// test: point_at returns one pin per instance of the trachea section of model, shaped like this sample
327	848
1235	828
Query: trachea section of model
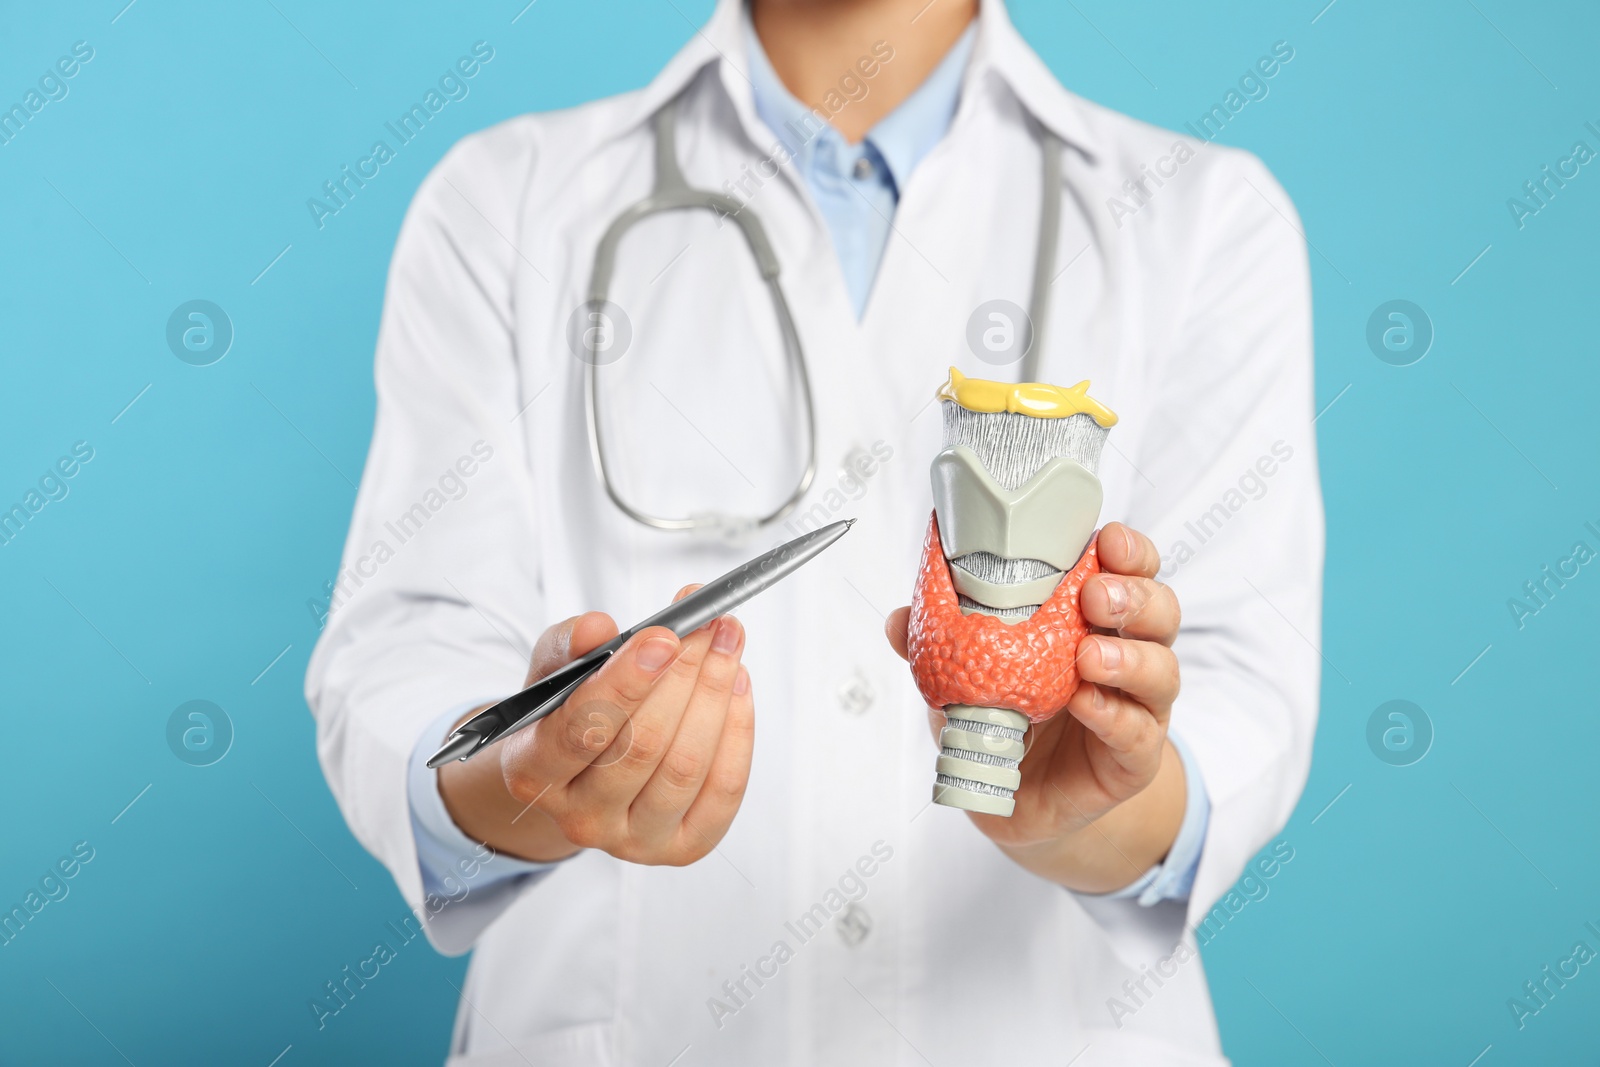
995	621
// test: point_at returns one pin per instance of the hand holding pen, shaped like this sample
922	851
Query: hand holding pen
647	757
647	760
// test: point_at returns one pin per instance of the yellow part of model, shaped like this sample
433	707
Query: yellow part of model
1025	398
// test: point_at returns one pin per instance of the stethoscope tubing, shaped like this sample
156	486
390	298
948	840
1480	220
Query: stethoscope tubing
672	192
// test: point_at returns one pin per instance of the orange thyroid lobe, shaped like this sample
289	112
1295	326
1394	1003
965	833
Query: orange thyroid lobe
1029	666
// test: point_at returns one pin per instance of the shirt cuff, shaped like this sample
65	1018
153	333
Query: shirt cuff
452	862
1173	878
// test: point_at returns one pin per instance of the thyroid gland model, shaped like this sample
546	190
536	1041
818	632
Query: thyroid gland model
995	622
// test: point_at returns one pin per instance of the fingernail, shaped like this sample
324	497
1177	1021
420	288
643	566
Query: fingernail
1110	654
1127	543
741	684
727	638
1116	595
655	654
1098	699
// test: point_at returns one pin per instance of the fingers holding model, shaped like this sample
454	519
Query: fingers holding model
647	760
1130	677
1125	597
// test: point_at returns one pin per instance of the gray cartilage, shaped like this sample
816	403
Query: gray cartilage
973	572
1013	447
979	753
1049	517
1016	594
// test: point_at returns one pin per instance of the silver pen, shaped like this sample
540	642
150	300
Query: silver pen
683	618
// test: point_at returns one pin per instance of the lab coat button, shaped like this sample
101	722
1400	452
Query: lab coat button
854	924
856	695
856	466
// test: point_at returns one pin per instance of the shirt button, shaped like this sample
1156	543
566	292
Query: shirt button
863	169
854	924
856	694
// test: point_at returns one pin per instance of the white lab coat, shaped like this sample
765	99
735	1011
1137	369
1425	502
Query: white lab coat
1191	316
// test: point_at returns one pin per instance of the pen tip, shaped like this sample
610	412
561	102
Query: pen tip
849	523
459	746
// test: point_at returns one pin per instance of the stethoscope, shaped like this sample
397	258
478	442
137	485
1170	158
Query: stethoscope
672	192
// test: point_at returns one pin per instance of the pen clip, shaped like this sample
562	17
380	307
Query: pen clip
535	702
551	691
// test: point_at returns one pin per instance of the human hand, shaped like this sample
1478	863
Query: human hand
1108	747
647	760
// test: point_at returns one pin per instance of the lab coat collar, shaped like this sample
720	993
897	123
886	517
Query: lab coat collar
1000	52
720	42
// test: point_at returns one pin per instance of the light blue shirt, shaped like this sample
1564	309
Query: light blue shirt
857	186
856	189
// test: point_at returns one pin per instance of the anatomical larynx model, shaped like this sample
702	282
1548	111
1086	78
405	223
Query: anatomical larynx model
995	622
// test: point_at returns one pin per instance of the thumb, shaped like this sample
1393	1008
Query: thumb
894	628
567	640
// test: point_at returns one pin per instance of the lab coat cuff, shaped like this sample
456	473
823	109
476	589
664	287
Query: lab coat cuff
454	867
1173	878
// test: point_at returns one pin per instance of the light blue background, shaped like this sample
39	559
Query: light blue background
181	562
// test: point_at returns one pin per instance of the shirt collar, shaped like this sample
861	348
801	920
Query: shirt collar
998	54
909	132
797	126
902	137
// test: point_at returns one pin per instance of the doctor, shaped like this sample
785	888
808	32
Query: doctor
721	850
